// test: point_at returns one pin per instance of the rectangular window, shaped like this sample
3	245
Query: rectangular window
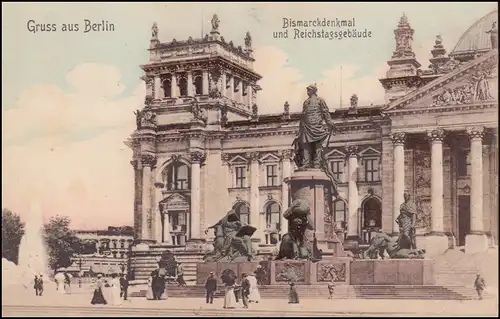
464	167
240	176
371	170
337	168
272	175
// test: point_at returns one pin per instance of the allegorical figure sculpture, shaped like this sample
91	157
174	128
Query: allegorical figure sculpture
382	243
236	240
493	35
407	221
294	244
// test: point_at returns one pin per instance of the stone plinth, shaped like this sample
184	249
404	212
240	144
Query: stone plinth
312	185
392	272
278	272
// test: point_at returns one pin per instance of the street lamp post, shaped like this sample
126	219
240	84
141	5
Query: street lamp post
80	262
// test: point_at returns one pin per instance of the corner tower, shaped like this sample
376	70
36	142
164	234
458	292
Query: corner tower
215	75
402	75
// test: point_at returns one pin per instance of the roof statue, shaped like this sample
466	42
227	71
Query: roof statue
215	23
154	31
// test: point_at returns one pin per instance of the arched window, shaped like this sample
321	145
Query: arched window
273	211
198	85
340	212
167	88
243	211
178	175
183	85
372	214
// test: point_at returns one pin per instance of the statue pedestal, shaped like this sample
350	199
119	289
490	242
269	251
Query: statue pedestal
314	186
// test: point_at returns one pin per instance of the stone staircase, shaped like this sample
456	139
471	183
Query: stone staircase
455	268
144	262
341	292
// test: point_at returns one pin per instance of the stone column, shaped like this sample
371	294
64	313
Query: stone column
148	162
166	228
476	240
197	158
224	83
158	88
436	242
353	195
137	198
286	168
253	158
205	82
240	91
398	140
230	93
249	95
437	192
173	83
190	83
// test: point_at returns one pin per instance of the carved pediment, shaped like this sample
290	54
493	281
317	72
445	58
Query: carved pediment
174	201
473	83
335	154
269	158
369	151
238	159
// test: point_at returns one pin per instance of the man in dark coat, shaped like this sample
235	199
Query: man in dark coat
158	284
245	289
211	287
124	286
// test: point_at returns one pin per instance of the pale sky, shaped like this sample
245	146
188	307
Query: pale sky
68	97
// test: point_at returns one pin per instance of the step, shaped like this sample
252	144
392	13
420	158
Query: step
341	292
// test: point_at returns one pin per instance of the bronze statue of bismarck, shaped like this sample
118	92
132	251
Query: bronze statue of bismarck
315	127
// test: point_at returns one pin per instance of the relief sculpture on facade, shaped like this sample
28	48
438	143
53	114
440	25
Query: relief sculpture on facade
478	89
294	272
422	187
329	272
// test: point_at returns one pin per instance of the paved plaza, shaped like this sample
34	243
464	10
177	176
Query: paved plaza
17	303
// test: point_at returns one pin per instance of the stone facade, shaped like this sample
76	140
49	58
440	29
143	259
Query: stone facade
204	148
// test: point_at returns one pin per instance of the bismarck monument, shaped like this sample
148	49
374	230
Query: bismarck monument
303	248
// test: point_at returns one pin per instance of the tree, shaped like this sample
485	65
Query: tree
12	233
61	242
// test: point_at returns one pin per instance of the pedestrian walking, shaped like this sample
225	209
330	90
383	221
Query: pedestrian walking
211	287
293	297
480	285
245	289
124	286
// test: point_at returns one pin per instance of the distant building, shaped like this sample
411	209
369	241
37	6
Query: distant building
105	251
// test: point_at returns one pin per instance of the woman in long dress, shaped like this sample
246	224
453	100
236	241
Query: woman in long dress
98	297
229	297
59	278
254	295
115	290
149	293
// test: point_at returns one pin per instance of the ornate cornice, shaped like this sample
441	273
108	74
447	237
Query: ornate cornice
197	157
436	135
475	132
252	156
352	150
148	160
286	154
398	138
443	109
